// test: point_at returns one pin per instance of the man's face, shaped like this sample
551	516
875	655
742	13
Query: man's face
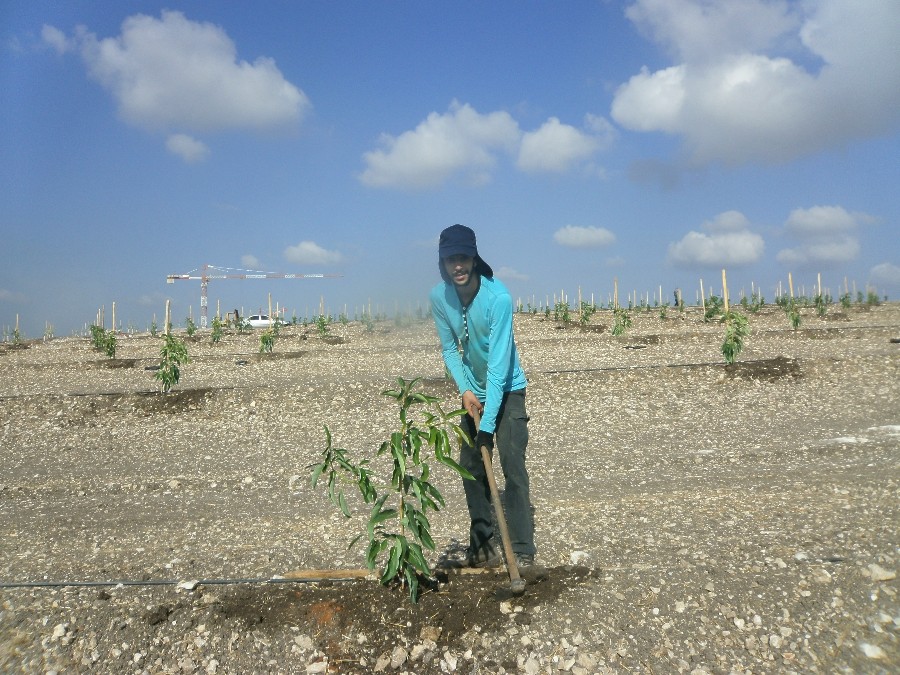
459	267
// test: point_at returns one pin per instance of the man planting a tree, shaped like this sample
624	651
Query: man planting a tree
473	313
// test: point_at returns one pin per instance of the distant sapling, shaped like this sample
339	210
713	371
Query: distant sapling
737	330
173	355
267	341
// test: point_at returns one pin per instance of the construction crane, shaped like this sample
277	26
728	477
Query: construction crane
208	272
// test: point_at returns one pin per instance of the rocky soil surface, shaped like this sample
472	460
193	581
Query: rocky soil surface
694	517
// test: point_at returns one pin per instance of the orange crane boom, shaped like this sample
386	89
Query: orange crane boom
208	272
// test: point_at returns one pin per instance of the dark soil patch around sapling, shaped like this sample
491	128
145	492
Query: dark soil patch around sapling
764	370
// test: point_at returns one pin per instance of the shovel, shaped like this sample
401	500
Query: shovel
516	582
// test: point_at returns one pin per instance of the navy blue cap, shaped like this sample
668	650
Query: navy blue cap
460	240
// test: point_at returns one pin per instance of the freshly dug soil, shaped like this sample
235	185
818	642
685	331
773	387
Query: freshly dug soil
692	516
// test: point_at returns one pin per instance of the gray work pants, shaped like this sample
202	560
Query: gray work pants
511	440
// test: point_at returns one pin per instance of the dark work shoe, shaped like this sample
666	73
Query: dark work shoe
524	560
529	570
483	557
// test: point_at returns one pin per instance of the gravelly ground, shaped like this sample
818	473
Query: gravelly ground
695	518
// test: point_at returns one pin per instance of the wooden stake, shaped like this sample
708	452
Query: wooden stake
725	290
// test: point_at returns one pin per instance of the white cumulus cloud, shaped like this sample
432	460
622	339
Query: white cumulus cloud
174	73
575	236
765	80
556	146
310	253
56	38
885	275
727	221
460	141
188	148
824	221
829	251
826	235
250	261
728	243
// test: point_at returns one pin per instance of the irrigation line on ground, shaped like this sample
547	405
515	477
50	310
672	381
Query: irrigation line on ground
652	366
168	582
302	576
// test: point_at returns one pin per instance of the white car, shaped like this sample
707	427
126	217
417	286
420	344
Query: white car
262	321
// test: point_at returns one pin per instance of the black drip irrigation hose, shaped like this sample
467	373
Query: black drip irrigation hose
189	584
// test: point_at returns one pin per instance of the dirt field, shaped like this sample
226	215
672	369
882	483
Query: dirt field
693	517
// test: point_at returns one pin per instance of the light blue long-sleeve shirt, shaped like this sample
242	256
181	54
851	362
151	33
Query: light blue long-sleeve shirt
489	363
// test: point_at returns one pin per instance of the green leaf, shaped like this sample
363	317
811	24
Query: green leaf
393	562
317	471
381	516
417	559
343	505
413	582
458	468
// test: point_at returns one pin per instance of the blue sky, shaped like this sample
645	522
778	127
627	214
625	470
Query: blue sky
655	142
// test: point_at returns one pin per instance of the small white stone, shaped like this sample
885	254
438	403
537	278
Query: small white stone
417	651
398	657
532	667
579	557
872	651
821	576
878	573
451	660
